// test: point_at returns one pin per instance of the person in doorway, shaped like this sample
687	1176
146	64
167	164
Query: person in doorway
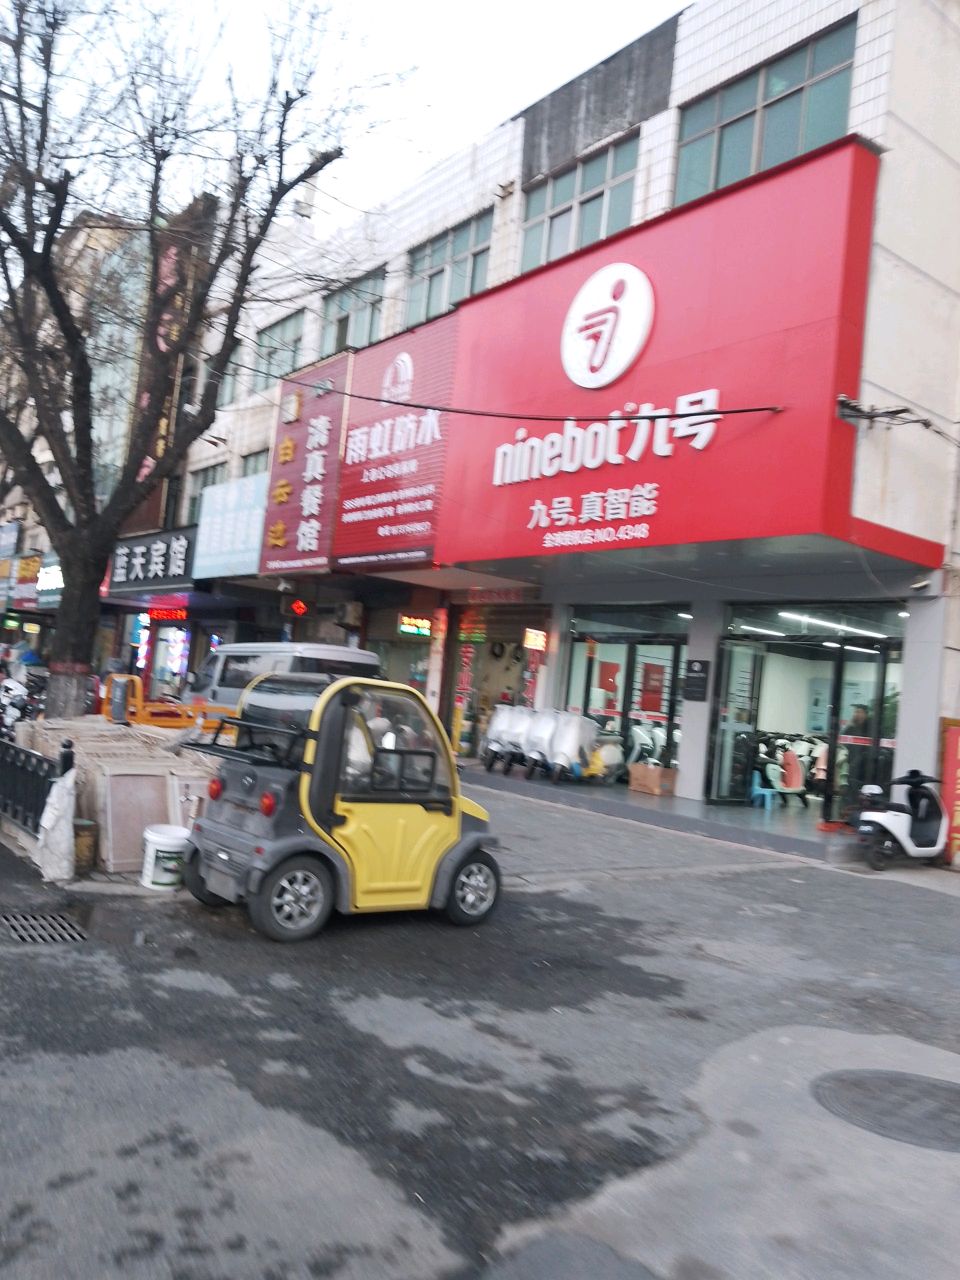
858	731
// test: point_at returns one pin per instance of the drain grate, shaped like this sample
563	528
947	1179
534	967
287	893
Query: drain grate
921	1110
28	926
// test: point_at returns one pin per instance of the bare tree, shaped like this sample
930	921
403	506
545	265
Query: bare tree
136	202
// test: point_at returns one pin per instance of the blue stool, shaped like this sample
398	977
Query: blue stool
761	795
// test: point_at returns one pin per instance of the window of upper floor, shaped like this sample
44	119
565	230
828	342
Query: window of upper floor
793	104
580	206
448	268
252	464
278	350
231	384
351	315
197	481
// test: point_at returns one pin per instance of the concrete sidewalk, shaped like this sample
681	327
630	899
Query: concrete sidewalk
784	830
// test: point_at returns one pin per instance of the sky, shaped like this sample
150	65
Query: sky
463	69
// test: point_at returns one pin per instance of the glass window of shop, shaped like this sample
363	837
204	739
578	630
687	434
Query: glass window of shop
807	704
626	672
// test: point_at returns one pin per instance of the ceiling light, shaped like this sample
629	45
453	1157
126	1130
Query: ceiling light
832	644
685	615
834	626
904	613
853	648
764	631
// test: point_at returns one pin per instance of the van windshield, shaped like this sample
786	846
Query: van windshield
336	667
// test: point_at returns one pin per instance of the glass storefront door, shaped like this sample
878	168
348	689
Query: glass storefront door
823	710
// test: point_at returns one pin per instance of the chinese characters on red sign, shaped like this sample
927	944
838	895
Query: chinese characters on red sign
301	498
391	478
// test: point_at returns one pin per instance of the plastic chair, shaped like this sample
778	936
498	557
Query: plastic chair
761	795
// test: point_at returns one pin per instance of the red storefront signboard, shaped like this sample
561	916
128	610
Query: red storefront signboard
301	498
631	359
950	787
392	470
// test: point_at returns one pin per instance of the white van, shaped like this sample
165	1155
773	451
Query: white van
227	672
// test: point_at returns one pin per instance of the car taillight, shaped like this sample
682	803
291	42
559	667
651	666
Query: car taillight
268	804
215	788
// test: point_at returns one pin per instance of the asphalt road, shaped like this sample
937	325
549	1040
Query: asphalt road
630	1072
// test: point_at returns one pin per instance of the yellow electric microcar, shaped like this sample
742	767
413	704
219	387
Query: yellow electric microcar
338	794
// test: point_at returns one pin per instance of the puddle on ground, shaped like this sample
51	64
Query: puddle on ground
102	923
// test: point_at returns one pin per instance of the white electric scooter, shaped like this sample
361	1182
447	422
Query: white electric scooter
917	829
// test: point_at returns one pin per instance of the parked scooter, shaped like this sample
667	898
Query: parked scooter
581	752
917	829
16	703
505	737
538	742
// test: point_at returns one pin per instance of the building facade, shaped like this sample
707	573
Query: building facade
746	534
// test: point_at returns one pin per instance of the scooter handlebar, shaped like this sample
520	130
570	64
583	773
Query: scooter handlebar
913	779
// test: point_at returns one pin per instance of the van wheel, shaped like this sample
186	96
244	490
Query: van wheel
195	883
294	901
475	890
489	760
530	770
558	774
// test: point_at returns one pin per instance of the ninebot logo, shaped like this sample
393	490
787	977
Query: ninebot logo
607	326
398	379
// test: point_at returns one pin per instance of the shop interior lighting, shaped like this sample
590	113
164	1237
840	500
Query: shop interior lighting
685	615
853	648
832	644
763	631
904	613
834	626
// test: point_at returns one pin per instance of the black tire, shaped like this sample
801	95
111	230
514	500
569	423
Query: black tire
557	774
936	861
474	889
530	770
195	883
881	851
489	760
294	901
507	764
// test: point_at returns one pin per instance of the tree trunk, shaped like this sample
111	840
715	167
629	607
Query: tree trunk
71	651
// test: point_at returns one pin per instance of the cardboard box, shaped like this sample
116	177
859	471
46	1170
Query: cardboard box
652	779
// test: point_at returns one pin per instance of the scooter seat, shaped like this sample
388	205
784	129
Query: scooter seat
896	807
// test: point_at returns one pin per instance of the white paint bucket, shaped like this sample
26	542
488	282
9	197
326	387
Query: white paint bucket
163	850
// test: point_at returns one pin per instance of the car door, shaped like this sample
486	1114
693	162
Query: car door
395	811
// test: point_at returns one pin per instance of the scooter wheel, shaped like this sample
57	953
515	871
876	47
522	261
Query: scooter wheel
880	852
489	760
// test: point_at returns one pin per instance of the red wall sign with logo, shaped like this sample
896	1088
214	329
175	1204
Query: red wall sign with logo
393	461
639	349
301	499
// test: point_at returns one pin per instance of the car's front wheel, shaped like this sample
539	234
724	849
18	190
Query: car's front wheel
294	901
475	889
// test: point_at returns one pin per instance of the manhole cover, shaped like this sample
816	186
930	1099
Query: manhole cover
27	926
920	1110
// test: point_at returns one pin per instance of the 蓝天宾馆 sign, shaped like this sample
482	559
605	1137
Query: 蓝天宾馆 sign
301	492
153	562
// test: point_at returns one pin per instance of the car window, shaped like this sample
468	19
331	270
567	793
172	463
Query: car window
392	746
205	675
335	667
240	669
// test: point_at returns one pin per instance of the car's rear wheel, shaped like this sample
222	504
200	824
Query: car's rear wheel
194	881
294	902
489	760
530	770
475	889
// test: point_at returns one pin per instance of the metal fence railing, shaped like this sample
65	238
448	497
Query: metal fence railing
25	781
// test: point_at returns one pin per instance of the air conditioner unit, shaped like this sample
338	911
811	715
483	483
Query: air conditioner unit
349	614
